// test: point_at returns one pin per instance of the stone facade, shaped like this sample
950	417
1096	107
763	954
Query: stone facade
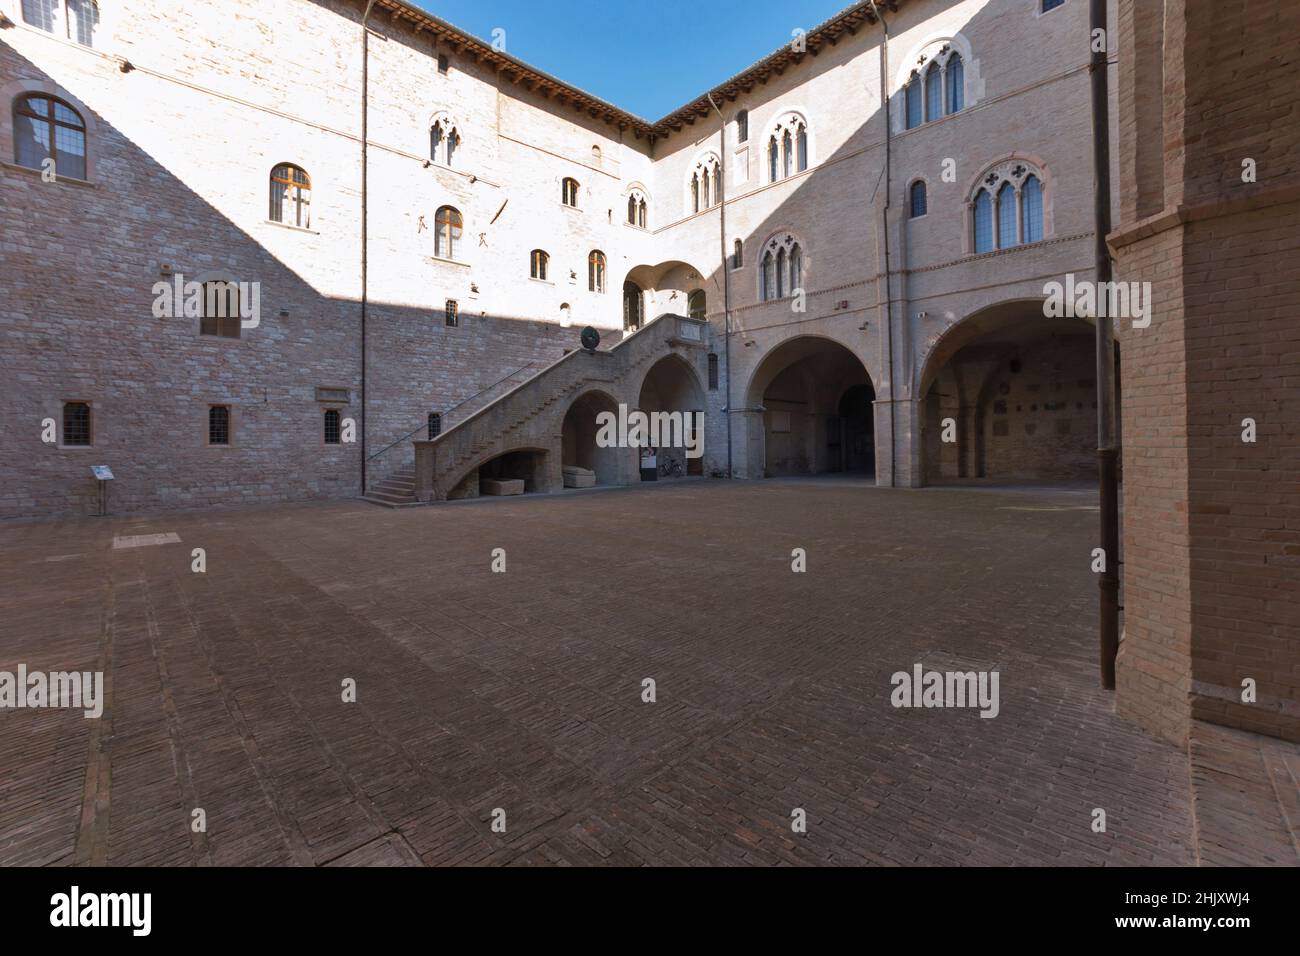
182	143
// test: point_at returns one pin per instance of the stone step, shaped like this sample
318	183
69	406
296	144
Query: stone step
386	497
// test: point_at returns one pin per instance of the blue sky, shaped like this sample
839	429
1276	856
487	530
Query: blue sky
645	57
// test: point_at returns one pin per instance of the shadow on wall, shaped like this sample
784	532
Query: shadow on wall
149	402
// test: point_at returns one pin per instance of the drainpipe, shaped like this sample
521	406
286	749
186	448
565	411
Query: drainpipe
365	217
726	272
884	215
1107	443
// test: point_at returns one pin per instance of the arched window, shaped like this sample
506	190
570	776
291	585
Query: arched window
772	153
955	73
983	221
1006	216
933	92
446	234
596	271
742	126
633	306
706	182
48	128
569	192
290	196
782	267
444	140
1031	210
640	213
631	209
787	147
912	96
538	263
787	153
801	144
917	199
595	155
695	304
737	254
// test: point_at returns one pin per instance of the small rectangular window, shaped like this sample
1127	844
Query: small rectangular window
332	426
713	371
451	314
221	316
76	423
444	63
218	424
1051	4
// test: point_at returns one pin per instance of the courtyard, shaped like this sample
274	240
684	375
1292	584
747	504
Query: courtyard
479	691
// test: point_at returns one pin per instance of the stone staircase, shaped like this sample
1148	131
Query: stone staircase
395	491
530	416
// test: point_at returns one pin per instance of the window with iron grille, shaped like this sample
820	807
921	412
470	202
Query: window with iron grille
451	313
219	425
76	423
713	371
435	425
332	426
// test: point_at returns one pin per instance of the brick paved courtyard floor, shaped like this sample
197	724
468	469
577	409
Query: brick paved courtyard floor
522	691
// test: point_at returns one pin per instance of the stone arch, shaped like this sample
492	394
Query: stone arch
794	398
672	384
928	45
578	431
1014	391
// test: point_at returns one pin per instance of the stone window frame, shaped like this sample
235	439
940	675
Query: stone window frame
789	241
636	193
441	153
324	426
310	200
539	265
941	46
90	423
566	192
924	184
230	425
788	119
10	92
707	168
1015	169
204	279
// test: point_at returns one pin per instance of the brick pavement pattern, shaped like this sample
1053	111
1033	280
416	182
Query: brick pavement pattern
522	690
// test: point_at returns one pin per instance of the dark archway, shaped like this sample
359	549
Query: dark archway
578	444
801	387
672	386
1010	394
856	433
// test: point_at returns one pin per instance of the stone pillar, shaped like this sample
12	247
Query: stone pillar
749	442
907	419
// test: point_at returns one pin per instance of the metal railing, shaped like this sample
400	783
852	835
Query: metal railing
450	411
